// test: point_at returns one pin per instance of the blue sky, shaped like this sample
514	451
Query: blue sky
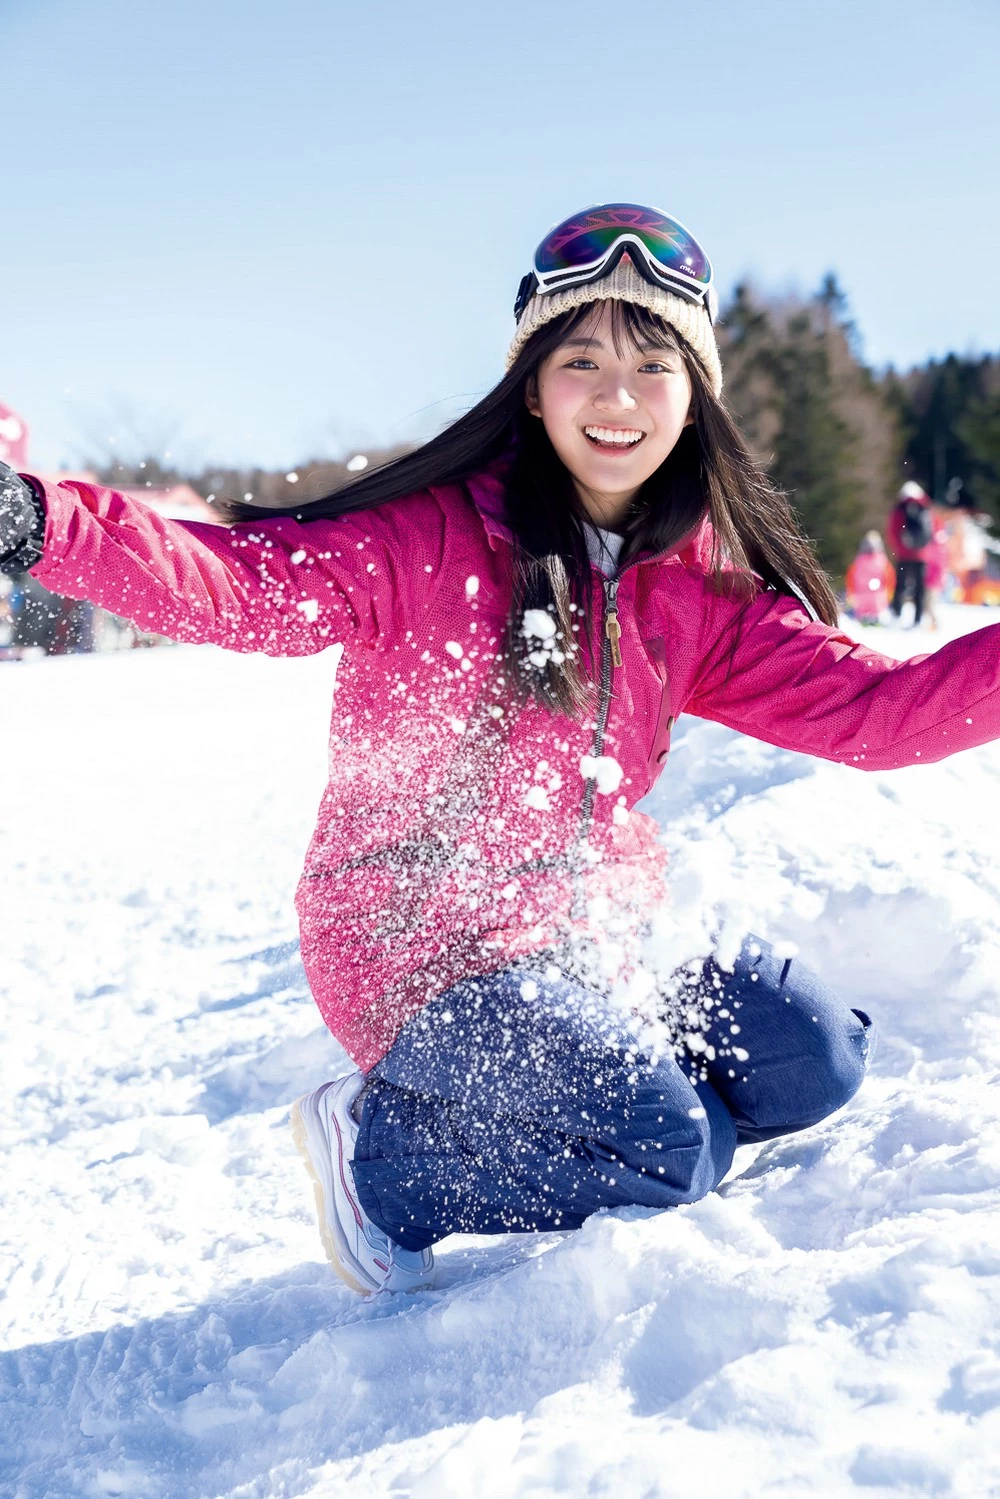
253	231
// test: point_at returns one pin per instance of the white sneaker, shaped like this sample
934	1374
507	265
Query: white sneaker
325	1132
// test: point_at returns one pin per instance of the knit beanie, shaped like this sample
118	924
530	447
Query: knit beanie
624	284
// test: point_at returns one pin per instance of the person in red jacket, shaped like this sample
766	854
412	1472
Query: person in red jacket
526	604
869	579
935	568
911	539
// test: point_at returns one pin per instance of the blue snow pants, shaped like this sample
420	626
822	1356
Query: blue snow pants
521	1100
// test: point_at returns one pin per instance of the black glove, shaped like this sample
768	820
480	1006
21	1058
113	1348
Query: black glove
22	523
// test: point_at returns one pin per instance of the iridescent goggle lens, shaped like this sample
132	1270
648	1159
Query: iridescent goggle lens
583	247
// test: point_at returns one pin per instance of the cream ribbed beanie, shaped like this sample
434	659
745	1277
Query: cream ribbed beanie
624	284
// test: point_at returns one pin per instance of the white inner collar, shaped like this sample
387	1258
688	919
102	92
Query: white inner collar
604	548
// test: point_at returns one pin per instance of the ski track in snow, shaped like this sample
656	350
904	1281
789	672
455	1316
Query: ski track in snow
824	1325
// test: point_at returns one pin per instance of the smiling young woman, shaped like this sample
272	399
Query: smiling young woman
612	411
526	604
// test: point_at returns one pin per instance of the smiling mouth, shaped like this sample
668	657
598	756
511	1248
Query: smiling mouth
613	439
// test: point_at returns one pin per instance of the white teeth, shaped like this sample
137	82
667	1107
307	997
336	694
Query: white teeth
621	436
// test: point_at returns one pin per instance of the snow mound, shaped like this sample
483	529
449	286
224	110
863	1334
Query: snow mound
827	1324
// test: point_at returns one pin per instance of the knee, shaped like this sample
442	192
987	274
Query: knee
806	1052
716	1143
686	1152
838	1071
803	1090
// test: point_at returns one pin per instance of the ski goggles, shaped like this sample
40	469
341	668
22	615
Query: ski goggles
590	245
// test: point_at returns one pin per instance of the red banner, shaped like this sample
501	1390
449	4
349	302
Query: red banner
13	438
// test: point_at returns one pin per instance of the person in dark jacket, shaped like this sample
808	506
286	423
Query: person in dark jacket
911	538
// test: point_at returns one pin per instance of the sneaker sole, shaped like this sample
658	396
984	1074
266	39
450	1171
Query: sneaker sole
337	1252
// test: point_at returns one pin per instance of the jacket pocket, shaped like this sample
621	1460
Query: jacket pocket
656	649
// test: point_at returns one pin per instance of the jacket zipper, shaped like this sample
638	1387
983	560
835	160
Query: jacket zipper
611	657
612	629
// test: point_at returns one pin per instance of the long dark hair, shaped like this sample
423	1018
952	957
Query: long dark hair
709	472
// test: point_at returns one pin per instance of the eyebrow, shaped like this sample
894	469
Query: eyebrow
598	343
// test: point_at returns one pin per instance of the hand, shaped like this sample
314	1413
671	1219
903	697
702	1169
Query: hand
22	523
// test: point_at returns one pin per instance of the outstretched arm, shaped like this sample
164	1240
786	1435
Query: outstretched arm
280	586
774	673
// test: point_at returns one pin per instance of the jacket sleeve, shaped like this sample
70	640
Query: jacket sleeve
772	672
282	587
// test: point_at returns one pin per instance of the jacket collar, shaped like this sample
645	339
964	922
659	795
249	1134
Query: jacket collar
486	490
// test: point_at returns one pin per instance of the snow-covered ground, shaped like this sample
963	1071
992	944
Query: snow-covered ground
826	1325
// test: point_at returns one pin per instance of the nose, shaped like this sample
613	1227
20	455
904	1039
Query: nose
615	396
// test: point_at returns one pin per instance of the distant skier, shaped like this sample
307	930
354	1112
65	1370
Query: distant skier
935	569
526	604
869	580
911	538
968	551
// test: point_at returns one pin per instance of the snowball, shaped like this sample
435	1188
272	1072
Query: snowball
454	649
292	478
299	556
538	624
471	586
604	769
356	464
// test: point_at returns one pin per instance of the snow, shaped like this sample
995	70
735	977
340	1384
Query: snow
538	624
826	1325
605	770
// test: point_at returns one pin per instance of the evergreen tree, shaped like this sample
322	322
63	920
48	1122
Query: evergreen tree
950	410
979	430
812	413
815	449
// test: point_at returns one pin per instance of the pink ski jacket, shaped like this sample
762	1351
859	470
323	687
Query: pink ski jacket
457	832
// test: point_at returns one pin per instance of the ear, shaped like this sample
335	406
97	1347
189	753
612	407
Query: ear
531	396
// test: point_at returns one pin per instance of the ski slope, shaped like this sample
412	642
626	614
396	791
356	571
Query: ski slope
827	1324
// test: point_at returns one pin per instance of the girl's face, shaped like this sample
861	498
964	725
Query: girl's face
612	417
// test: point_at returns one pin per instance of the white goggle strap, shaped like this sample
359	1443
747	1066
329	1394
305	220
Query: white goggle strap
549	281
